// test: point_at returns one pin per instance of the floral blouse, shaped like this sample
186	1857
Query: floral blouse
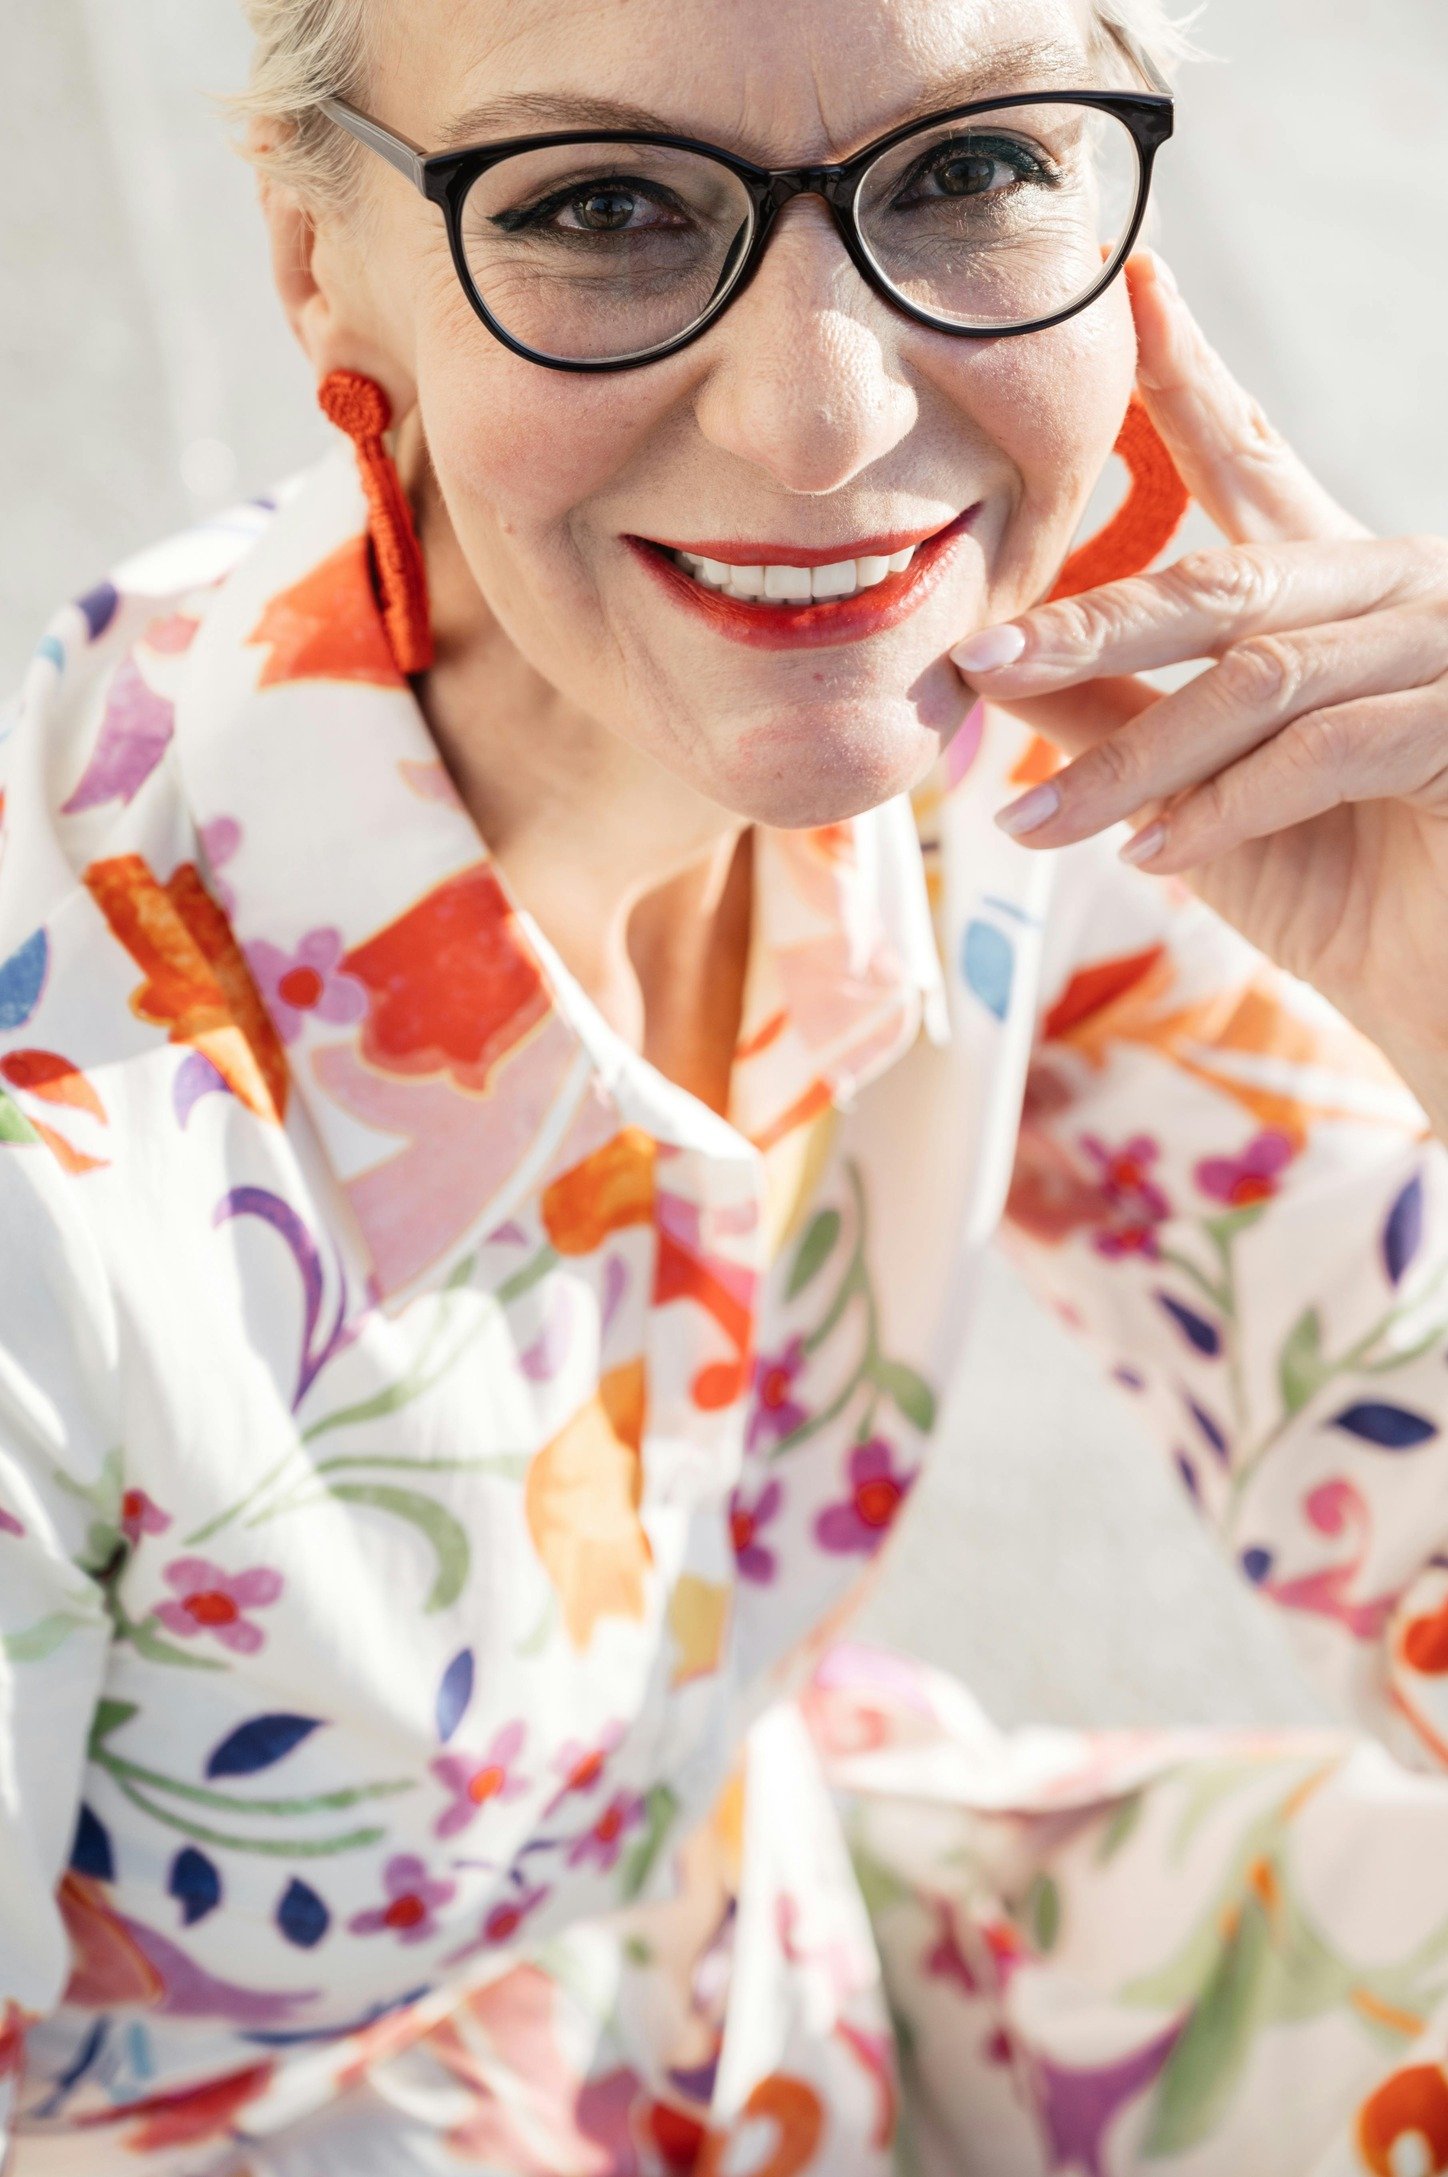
437	1454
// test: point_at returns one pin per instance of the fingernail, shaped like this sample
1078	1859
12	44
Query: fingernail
1031	811
992	648
1145	845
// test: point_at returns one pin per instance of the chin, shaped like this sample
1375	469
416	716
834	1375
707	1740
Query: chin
823	763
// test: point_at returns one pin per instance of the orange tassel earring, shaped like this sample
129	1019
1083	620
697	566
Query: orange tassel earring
359	406
1147	519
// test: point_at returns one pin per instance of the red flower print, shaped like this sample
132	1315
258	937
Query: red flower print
776	1412
307	981
474	1783
877	1491
581	1767
211	1600
604	1842
1252	1177
504	1921
197	2113
140	1516
1136	1204
413	1897
1403	2127
755	1562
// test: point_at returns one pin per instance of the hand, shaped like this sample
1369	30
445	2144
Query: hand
1300	784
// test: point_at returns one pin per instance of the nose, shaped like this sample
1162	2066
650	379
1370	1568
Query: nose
804	377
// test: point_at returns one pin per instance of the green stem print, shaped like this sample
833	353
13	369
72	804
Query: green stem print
875	1373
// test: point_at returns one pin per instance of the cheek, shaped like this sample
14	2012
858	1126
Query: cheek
1051	405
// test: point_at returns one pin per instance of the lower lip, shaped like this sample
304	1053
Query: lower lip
811	627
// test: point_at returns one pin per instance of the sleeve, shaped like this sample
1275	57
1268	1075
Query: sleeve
60	1449
1226	1190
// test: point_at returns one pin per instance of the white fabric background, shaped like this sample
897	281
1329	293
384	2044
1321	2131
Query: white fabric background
146	373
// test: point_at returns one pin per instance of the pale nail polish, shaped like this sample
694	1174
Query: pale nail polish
1145	845
988	651
1031	811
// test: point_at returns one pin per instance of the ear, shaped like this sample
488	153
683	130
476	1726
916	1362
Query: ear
318	280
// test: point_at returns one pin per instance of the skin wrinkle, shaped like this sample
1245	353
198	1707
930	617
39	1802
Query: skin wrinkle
611	747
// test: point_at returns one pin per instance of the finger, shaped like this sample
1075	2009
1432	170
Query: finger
1201	606
1254	693
1384	748
1237	466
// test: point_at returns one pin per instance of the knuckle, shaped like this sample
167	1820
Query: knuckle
1319	745
1112	767
1263	673
1237	585
1080	625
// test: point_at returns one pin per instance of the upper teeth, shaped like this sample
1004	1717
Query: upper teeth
796	585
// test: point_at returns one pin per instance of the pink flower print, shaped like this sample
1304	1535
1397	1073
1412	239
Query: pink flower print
141	1516
306	981
877	1491
210	1600
504	1921
581	1767
1137	1204
474	1783
776	1411
604	1842
9	1524
413	1897
1243	1181
755	1562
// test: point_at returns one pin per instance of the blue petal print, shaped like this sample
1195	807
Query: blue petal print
260	1743
52	649
1208	1427
988	961
195	1884
1194	1328
1391	1428
99	607
302	1916
454	1694
22	978
1403	1233
1257	1564
91	1853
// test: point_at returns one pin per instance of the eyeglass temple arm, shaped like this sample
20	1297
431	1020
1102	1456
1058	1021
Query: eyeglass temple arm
396	150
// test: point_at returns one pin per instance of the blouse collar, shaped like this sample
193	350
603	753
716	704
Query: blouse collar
418	1001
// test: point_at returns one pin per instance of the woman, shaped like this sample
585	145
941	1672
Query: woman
473	1312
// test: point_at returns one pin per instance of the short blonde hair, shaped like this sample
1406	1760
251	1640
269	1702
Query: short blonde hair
308	50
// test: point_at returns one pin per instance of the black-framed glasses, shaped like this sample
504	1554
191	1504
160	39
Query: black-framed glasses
610	248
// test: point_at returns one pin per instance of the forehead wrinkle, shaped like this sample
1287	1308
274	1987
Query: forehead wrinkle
1026	65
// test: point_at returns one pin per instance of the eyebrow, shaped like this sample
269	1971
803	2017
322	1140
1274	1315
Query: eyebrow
1030	65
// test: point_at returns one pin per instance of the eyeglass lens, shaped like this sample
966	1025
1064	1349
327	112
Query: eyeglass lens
593	252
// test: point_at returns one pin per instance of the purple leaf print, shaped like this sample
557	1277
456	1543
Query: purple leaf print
195	1884
134	736
191	1992
1390	1428
615	1285
98	608
302	1916
195	1077
260	1744
550	1348
1079	2107
91	1852
22	978
454	1694
1403	1233
283	1219
1194	1328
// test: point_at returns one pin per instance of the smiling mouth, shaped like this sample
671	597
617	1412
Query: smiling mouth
813	596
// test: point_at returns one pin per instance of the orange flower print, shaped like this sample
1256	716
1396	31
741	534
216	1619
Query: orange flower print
327	626
1425	1643
581	1500
108	1966
608	1191
795	2111
1402	2129
197	984
56	1081
454	985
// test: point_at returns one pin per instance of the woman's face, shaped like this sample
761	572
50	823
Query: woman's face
810	420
